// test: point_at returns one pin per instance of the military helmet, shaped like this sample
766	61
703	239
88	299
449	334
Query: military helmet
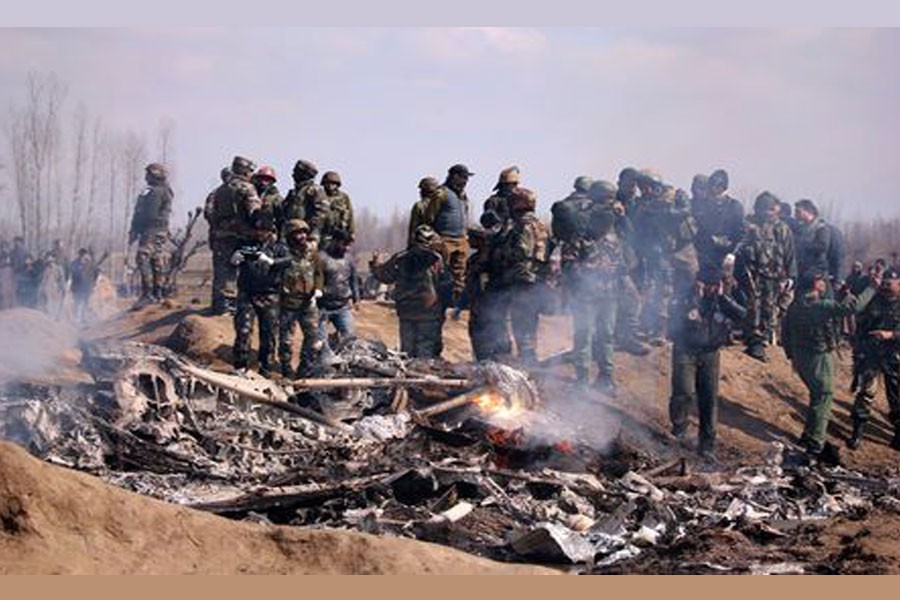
295	226
267	173
628	174
303	169
522	200
425	235
603	190
582	183
765	202
650	177
719	179
156	171
242	166
510	175
331	177
429	184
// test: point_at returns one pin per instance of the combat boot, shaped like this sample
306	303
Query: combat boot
606	385
581	376
632	346
757	351
856	436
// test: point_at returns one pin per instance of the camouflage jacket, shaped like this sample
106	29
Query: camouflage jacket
301	275
809	325
767	250
419	277
298	202
882	313
340	215
234	211
522	251
720	227
269	215
498	204
660	232
151	211
813	243
417	216
597	268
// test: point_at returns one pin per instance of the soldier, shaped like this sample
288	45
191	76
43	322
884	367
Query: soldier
258	288
786	214
222	244
702	320
523	263
568	216
809	342
302	281
265	181
448	215
858	279
720	222
419	275
84	277
340	291
878	335
627	192
150	228
813	240
52	286
7	277
481	336
306	200
507	182
594	278
340	210
430	193
766	269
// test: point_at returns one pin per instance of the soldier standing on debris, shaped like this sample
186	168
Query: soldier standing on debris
419	276
150	228
701	325
265	181
222	243
301	284
430	193
593	277
878	354
448	215
84	277
497	206
340	210
340	291
305	198
720	222
809	342
766	269
477	280
523	265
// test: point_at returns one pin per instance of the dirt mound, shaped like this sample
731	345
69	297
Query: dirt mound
57	521
38	348
203	338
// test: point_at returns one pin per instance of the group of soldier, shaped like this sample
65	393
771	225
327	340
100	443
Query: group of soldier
44	282
635	263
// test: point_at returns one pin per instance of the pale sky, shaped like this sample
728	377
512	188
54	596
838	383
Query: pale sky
801	112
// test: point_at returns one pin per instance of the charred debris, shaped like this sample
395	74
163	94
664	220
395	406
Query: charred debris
479	457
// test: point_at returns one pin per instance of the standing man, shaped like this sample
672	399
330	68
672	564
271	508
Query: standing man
481	335
430	194
809	342
340	210
340	291
627	189
878	355
813	241
84	277
766	268
150	228
497	205
701	325
448	215
419	274
7	277
304	195
222	245
720	222
264	181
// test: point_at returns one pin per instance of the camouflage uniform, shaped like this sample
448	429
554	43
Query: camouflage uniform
812	246
522	256
720	223
150	228
222	245
419	275
430	194
258	297
498	204
340	210
301	278
702	317
878	358
477	279
306	201
809	342
765	268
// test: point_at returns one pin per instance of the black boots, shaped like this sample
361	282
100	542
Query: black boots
856	436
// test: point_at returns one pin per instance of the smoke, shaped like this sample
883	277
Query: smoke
34	346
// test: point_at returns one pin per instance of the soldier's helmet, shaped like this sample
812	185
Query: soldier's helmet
242	166
628	175
266	172
303	169
719	179
522	200
331	177
890	274
428	185
295	226
601	191
582	183
765	202
425	235
156	171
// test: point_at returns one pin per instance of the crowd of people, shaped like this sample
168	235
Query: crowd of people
636	263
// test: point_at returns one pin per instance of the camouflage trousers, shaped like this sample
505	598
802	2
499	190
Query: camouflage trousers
480	333
524	314
456	252
629	310
816	369
763	312
224	283
655	313
887	368
594	324
492	327
152	261
421	338
249	307
307	317
695	380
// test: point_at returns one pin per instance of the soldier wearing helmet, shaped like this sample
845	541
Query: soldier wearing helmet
150	228
430	194
221	243
507	182
720	222
306	200
421	286
265	181
523	265
627	192
339	210
765	268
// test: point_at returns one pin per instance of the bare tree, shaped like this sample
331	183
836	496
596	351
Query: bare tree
166	137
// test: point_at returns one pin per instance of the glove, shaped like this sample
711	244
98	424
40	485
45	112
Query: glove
788	285
317	294
720	240
237	258
728	262
266	259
